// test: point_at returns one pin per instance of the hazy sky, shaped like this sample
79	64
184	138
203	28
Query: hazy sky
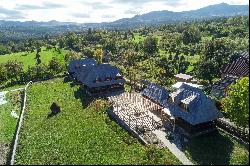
94	10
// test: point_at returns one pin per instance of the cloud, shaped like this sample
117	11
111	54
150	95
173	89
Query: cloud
45	5
132	11
81	15
98	5
174	3
10	14
108	16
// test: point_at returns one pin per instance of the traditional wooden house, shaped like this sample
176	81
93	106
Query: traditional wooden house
237	68
192	110
187	107
96	80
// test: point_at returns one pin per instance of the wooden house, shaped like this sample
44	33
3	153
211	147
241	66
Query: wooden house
97	80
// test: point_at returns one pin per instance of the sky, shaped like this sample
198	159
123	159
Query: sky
89	11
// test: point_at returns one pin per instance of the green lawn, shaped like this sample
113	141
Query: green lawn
81	133
138	38
8	123
28	59
217	149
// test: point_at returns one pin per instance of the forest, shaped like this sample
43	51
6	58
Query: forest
198	48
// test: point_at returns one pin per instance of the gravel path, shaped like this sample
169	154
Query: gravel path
172	147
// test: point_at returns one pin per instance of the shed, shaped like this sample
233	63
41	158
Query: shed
183	77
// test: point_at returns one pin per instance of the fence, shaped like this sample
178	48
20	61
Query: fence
19	125
233	130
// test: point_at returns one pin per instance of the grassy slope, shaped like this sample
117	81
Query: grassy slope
28	58
79	134
8	123
217	149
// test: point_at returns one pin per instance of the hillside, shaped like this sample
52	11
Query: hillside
164	17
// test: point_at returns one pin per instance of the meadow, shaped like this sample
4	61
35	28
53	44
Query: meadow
28	58
81	133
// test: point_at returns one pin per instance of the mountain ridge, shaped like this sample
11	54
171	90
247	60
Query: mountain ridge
151	18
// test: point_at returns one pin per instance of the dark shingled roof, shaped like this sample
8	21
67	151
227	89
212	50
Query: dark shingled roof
81	63
156	93
96	76
238	67
200	108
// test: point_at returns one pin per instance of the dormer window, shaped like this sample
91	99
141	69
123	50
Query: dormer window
118	76
184	106
97	80
170	100
108	78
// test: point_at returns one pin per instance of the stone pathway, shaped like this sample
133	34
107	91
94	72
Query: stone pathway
161	135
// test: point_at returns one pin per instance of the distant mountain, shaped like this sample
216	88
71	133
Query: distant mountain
164	17
35	23
151	18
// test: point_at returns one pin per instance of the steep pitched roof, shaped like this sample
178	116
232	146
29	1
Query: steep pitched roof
200	108
81	63
156	93
238	67
96	76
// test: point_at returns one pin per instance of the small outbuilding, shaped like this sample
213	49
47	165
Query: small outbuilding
183	77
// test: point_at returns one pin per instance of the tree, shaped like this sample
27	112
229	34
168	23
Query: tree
55	65
37	72
98	55
3	73
215	56
150	45
38	60
14	69
71	55
236	103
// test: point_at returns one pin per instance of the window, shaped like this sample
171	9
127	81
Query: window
170	100
97	80
108	78
184	106
118	76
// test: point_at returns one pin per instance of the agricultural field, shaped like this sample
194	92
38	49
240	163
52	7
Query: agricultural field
28	59
217	148
81	133
8	123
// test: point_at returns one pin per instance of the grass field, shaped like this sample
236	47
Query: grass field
81	133
217	149
8	123
28	59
